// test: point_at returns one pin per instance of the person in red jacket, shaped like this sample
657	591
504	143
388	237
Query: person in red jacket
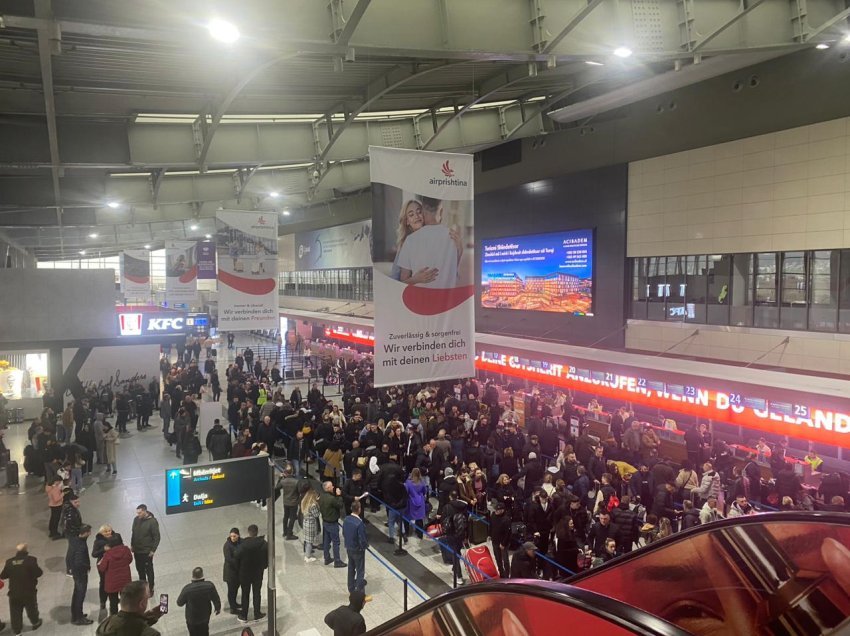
115	567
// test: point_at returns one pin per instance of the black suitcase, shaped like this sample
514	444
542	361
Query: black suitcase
478	529
12	475
6	456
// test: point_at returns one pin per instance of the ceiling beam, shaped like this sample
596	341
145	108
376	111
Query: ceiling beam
580	15
344	37
744	11
827	25
48	43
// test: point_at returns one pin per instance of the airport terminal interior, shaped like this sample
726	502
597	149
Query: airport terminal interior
436	317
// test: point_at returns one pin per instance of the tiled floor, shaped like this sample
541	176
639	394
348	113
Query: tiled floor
305	593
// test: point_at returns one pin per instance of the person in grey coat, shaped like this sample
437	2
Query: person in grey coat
98	438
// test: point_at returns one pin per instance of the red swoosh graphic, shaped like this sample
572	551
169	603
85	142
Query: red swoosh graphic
189	276
255	287
142	280
426	301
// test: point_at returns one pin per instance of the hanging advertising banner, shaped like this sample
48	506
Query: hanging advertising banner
334	247
181	272
136	273
246	246
205	252
422	244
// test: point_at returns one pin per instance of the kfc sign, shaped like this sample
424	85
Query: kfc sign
156	323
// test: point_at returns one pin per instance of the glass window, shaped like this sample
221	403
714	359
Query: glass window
718	270
640	288
823	311
741	310
675	287
766	292
658	289
794	291
695	269
844	293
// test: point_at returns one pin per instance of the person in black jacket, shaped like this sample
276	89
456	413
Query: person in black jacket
500	536
22	572
230	574
533	473
539	519
346	620
624	526
524	562
218	442
297	452
662	503
200	597
72	520
690	515
80	566
599	532
252	559
392	488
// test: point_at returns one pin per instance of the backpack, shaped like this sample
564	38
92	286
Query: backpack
613	502
457	525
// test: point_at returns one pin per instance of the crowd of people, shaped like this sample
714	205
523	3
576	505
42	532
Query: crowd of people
458	462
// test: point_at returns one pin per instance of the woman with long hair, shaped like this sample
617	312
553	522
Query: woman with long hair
310	512
410	219
417	500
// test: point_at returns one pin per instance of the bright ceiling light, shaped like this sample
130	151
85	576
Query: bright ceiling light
114	205
285	212
147	247
593	63
847	38
623	51
274	195
822	46
223	31
82	252
193	227
209	236
93	235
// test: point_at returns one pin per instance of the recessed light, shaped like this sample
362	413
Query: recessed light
209	236
623	51
93	235
593	63
285	212
113	205
822	46
82	252
223	31
847	38
274	195
147	247
193	227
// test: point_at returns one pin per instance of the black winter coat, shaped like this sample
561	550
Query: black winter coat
230	573
252	558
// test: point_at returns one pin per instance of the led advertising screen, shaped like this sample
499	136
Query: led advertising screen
539	272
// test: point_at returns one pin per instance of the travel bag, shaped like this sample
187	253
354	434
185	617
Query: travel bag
12	475
480	564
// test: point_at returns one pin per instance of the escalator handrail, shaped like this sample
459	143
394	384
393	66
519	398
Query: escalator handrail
616	612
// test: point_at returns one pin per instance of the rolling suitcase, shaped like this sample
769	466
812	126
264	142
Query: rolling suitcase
478	529
12	475
480	564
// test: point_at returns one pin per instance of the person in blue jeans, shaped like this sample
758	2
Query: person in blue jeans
354	537
331	508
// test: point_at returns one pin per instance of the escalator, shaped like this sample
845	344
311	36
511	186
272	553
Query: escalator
777	574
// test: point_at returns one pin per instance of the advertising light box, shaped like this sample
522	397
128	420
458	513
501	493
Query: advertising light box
540	272
224	483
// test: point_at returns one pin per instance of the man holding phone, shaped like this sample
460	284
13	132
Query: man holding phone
200	597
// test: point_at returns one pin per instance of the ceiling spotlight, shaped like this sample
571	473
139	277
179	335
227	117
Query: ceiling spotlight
147	247
93	235
593	63
209	236
274	195
623	51
223	31
113	205
82	252
847	38
193	227
285	212
822	46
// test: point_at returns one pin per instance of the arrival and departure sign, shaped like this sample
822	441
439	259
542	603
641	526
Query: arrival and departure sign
223	483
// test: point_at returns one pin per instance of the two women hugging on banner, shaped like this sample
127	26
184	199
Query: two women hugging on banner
427	252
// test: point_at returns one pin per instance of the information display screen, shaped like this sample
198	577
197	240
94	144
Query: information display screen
223	483
539	272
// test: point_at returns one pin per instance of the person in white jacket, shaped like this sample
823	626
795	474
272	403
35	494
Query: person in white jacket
710	512
710	485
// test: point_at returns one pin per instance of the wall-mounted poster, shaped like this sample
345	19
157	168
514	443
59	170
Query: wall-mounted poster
181	272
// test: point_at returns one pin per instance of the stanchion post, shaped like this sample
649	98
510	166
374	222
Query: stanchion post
400	551
405	595
454	569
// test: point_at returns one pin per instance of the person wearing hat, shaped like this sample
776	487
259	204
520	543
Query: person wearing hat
524	564
346	619
200	597
447	486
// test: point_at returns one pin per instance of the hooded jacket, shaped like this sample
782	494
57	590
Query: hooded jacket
145	535
115	567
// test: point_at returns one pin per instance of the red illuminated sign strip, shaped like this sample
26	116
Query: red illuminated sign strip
357	338
794	420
